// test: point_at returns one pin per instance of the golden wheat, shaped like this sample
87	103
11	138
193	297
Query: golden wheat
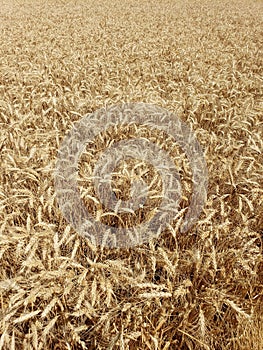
61	60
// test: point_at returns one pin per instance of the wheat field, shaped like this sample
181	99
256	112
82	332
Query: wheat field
62	60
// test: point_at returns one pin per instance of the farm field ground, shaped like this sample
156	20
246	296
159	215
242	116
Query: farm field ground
202	60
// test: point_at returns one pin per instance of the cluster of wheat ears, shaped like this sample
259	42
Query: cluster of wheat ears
61	60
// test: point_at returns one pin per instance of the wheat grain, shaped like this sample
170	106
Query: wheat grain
61	61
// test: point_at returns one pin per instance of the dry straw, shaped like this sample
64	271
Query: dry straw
62	60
